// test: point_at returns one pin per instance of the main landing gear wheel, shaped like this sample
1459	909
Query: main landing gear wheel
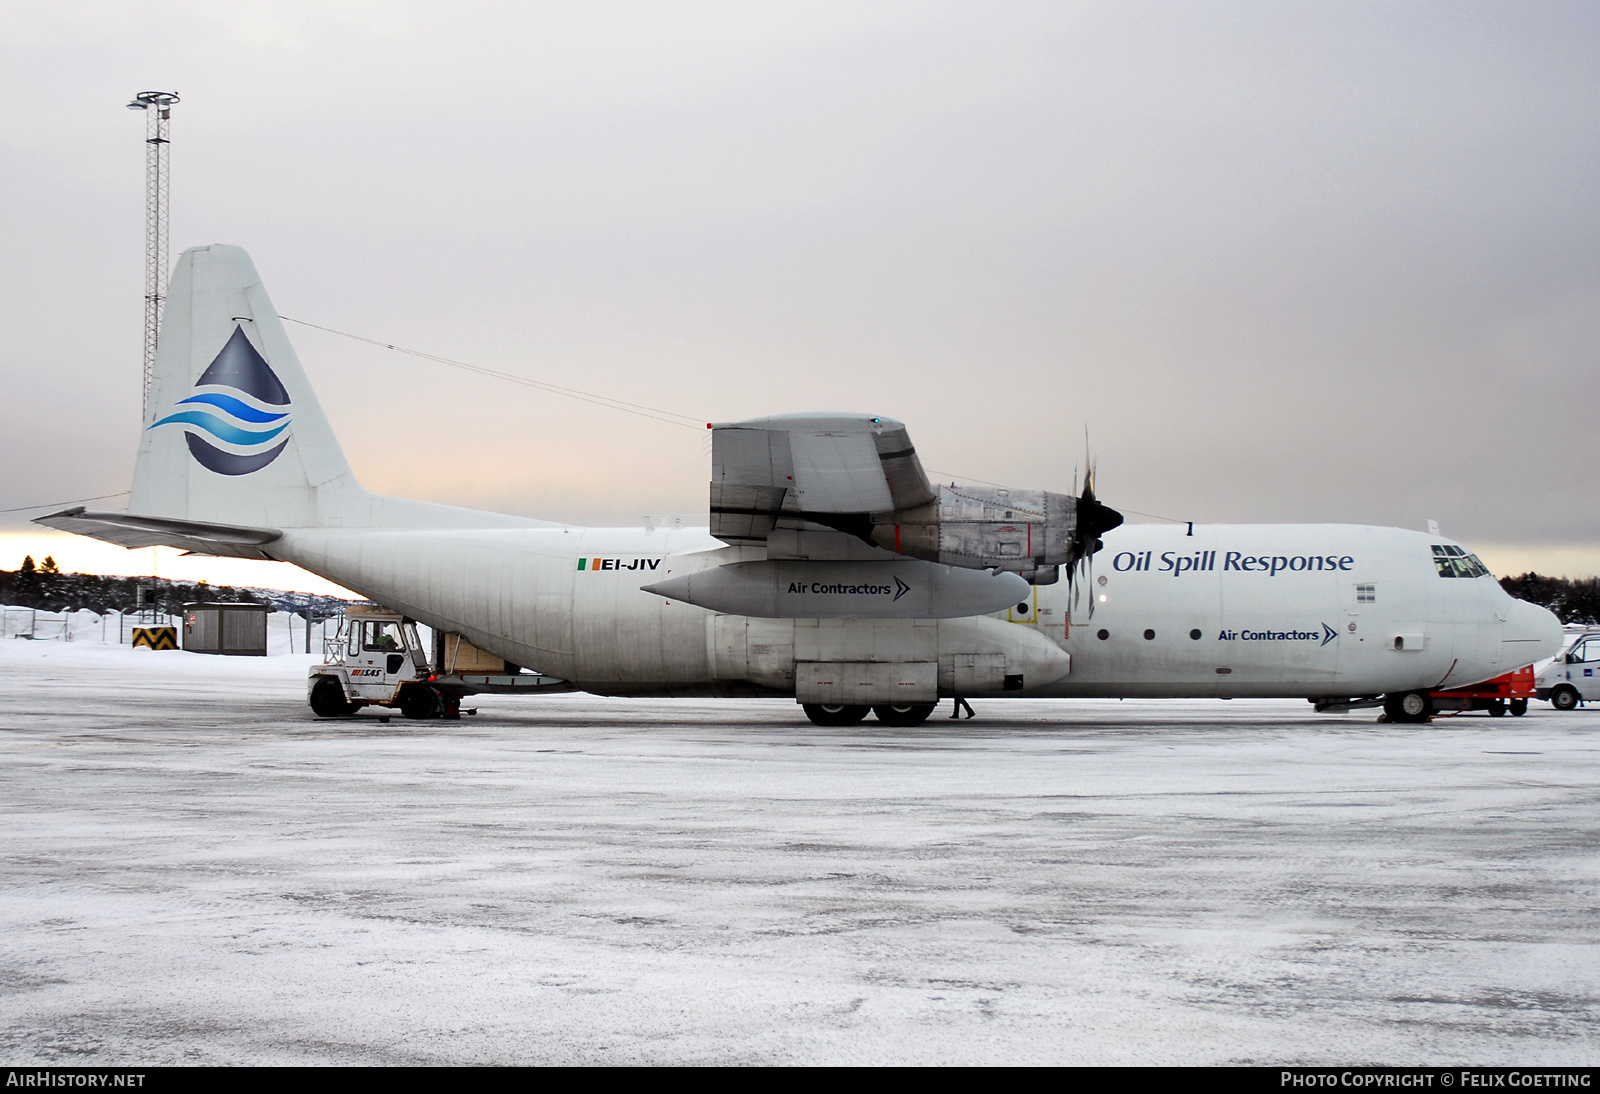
1519	707
1408	707
903	714
827	715
1564	697
328	701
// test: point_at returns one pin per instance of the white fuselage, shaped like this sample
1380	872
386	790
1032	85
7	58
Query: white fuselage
1227	610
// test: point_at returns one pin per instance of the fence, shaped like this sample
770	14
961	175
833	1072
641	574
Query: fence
287	632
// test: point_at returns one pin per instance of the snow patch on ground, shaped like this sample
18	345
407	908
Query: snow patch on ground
197	870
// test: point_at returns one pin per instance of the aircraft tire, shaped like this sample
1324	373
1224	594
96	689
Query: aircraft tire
833	716
910	714
1408	707
1496	708
328	701
1564	698
1519	707
419	702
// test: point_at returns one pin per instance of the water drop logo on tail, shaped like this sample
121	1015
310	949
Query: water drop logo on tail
235	403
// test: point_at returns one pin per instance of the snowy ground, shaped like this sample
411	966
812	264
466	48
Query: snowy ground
196	870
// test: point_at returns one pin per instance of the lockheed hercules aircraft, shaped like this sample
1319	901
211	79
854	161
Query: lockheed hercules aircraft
833	571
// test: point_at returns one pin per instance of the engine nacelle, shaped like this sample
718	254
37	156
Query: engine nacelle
1027	532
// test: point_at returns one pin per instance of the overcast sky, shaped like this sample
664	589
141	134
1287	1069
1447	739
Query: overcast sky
1286	262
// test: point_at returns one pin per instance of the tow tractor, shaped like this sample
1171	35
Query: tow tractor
377	659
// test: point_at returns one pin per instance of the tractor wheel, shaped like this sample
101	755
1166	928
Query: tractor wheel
826	715
1519	707
419	702
1496	708
328	701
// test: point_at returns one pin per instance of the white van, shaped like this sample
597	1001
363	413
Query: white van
1574	675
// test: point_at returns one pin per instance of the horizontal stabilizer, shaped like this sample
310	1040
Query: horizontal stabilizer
127	530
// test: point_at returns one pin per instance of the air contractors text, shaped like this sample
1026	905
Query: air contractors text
1177	564
797	587
618	563
899	588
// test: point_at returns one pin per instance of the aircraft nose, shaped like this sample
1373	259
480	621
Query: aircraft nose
1530	634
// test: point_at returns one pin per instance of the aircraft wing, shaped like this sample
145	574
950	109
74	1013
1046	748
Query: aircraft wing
831	470
198	537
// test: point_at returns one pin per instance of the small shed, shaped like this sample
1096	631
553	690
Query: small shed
234	630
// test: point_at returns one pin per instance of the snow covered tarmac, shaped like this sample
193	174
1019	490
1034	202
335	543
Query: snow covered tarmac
196	870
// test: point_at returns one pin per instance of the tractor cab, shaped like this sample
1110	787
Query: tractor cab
381	650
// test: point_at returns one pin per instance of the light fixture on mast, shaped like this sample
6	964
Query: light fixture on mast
157	106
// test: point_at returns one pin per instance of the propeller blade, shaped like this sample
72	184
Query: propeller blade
1094	520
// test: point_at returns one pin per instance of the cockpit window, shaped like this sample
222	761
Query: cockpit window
1452	561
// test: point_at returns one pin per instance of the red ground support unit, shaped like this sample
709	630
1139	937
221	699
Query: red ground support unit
1513	685
1509	692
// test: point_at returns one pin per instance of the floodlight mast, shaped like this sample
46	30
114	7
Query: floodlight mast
157	106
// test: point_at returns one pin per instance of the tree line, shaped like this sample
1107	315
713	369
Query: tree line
1572	601
45	587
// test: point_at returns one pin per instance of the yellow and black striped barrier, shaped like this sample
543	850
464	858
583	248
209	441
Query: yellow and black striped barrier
155	638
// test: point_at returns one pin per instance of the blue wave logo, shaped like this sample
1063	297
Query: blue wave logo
238	410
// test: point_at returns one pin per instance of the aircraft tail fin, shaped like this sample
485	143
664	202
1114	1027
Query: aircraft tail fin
235	449
233	434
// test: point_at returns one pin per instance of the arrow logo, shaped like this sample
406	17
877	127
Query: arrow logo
1328	635
900	588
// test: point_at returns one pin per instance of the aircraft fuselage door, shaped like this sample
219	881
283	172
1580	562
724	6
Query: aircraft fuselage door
1357	622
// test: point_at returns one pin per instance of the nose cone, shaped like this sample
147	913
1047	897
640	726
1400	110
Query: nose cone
1530	634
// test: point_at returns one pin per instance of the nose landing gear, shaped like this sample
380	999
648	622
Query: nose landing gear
1408	707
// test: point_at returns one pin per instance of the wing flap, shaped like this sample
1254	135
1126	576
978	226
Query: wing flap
743	512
